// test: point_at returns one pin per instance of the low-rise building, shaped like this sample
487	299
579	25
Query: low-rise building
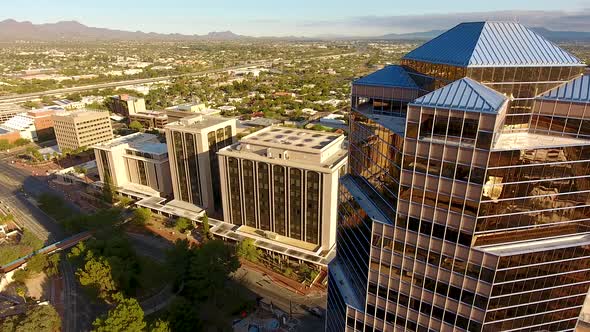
281	183
150	119
178	112
23	124
9	135
81	128
126	104
193	143
8	111
137	163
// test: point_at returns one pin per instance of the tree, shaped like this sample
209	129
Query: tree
5	144
5	219
34	153
182	224
209	268
159	326
37	263
247	249
41	318
97	273
124	201
21	142
126	316
141	215
206	231
108	192
21	291
52	267
20	276
135	125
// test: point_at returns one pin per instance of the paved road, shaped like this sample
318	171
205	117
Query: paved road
280	297
34	95
24	211
46	228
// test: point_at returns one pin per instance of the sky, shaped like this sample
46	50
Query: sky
298	18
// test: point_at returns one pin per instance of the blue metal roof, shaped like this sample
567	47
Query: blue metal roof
576	91
492	44
463	95
390	76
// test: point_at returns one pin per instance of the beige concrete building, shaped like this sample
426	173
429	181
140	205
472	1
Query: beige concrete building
193	143
126	105
81	128
282	184
137	165
178	112
150	119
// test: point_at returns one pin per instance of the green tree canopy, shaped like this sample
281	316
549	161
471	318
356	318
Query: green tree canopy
126	316
209	268
206	230
41	318
135	125
160	326
141	215
97	273
247	249
108	190
182	224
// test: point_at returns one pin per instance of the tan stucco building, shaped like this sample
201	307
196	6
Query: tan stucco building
193	143
137	165
81	128
282	184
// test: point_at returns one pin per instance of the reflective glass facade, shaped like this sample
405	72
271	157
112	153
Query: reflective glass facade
479	221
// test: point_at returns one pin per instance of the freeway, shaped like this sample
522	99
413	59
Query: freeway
34	95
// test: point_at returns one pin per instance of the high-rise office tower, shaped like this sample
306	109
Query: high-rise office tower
193	143
282	183
467	206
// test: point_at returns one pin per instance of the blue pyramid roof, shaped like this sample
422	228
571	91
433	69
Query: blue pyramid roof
463	95
576	91
492	44
390	76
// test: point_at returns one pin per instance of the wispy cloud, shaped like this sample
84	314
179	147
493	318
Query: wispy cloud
553	20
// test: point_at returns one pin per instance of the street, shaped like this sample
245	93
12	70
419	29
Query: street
18	204
280	297
29	216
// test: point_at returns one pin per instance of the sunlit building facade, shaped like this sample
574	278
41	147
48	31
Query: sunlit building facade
467	206
193	143
282	183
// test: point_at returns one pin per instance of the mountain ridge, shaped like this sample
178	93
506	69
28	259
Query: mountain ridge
12	30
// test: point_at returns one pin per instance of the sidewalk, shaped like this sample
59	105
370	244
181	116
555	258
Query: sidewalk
281	280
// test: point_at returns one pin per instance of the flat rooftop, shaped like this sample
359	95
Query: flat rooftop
395	123
81	113
137	141
292	139
537	245
525	140
197	122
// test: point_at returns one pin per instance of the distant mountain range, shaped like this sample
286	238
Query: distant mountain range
11	30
